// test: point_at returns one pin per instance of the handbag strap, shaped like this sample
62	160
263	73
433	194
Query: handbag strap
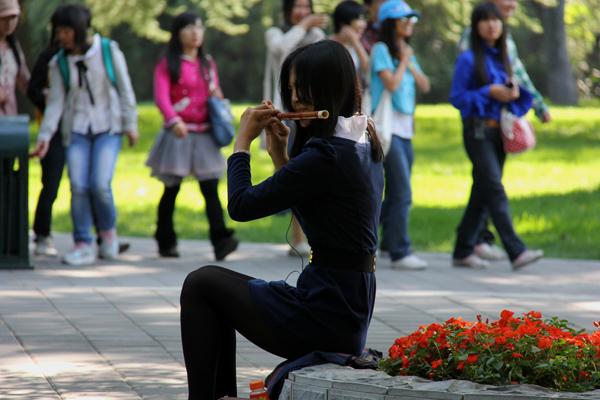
211	84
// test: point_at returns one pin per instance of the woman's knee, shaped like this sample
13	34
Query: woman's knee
198	282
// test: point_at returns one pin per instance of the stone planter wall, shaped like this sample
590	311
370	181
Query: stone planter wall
334	382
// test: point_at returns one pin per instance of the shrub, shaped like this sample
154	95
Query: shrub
511	350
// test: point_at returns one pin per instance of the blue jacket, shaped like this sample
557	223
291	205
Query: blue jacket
475	101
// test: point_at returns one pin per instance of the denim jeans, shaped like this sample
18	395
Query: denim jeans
398	198
91	163
488	156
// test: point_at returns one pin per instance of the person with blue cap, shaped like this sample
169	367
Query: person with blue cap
395	69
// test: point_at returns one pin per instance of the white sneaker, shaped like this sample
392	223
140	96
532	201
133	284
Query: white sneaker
490	252
82	254
527	257
411	262
301	249
471	261
45	247
109	251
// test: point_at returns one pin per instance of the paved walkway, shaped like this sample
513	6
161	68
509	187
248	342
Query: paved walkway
111	331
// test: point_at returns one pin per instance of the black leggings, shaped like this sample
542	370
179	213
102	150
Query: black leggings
215	302
165	231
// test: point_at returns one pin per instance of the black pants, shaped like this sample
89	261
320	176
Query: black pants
485	235
165	231
216	302
487	193
52	170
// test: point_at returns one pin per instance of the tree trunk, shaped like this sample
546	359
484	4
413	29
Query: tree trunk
562	88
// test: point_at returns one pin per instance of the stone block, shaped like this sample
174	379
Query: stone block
286	390
313	381
360	387
337	394
307	392
421	393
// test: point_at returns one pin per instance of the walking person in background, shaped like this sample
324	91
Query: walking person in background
485	247
300	27
92	112
371	33
13	69
333	181
482	85
184	147
54	161
348	26
395	69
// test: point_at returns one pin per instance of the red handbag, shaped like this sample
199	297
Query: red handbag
517	132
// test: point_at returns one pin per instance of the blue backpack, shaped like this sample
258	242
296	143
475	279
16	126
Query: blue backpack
63	65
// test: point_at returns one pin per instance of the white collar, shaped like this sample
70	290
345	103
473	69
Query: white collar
353	128
92	50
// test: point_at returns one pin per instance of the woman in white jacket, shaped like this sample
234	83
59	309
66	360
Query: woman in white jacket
299	28
93	112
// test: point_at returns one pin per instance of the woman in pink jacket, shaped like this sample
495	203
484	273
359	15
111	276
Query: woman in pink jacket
184	147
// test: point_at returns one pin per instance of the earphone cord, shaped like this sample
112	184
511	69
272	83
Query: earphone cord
288	242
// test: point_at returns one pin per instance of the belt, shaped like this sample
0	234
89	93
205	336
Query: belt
343	260
491	123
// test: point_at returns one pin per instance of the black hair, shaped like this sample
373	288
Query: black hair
74	16
288	6
482	12
346	12
175	50
54	43
387	35
326	77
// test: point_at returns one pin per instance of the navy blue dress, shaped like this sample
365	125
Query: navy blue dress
335	190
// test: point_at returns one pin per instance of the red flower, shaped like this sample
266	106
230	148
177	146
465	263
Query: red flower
461	365
472	358
517	355
436	364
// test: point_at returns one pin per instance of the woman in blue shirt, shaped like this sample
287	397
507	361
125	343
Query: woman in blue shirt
481	87
396	70
333	182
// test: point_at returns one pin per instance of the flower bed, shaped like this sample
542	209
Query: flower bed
523	350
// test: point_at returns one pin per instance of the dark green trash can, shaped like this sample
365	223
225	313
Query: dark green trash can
14	199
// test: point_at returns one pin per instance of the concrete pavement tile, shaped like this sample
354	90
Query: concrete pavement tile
128	310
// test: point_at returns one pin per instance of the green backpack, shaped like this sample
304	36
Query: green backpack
63	65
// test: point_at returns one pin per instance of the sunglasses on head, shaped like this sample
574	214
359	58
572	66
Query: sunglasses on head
412	19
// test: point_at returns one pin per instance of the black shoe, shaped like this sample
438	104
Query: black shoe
225	246
123	247
171	252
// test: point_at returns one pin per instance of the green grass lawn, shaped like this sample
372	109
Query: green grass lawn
554	190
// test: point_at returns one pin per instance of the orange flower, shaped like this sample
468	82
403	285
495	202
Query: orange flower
472	358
